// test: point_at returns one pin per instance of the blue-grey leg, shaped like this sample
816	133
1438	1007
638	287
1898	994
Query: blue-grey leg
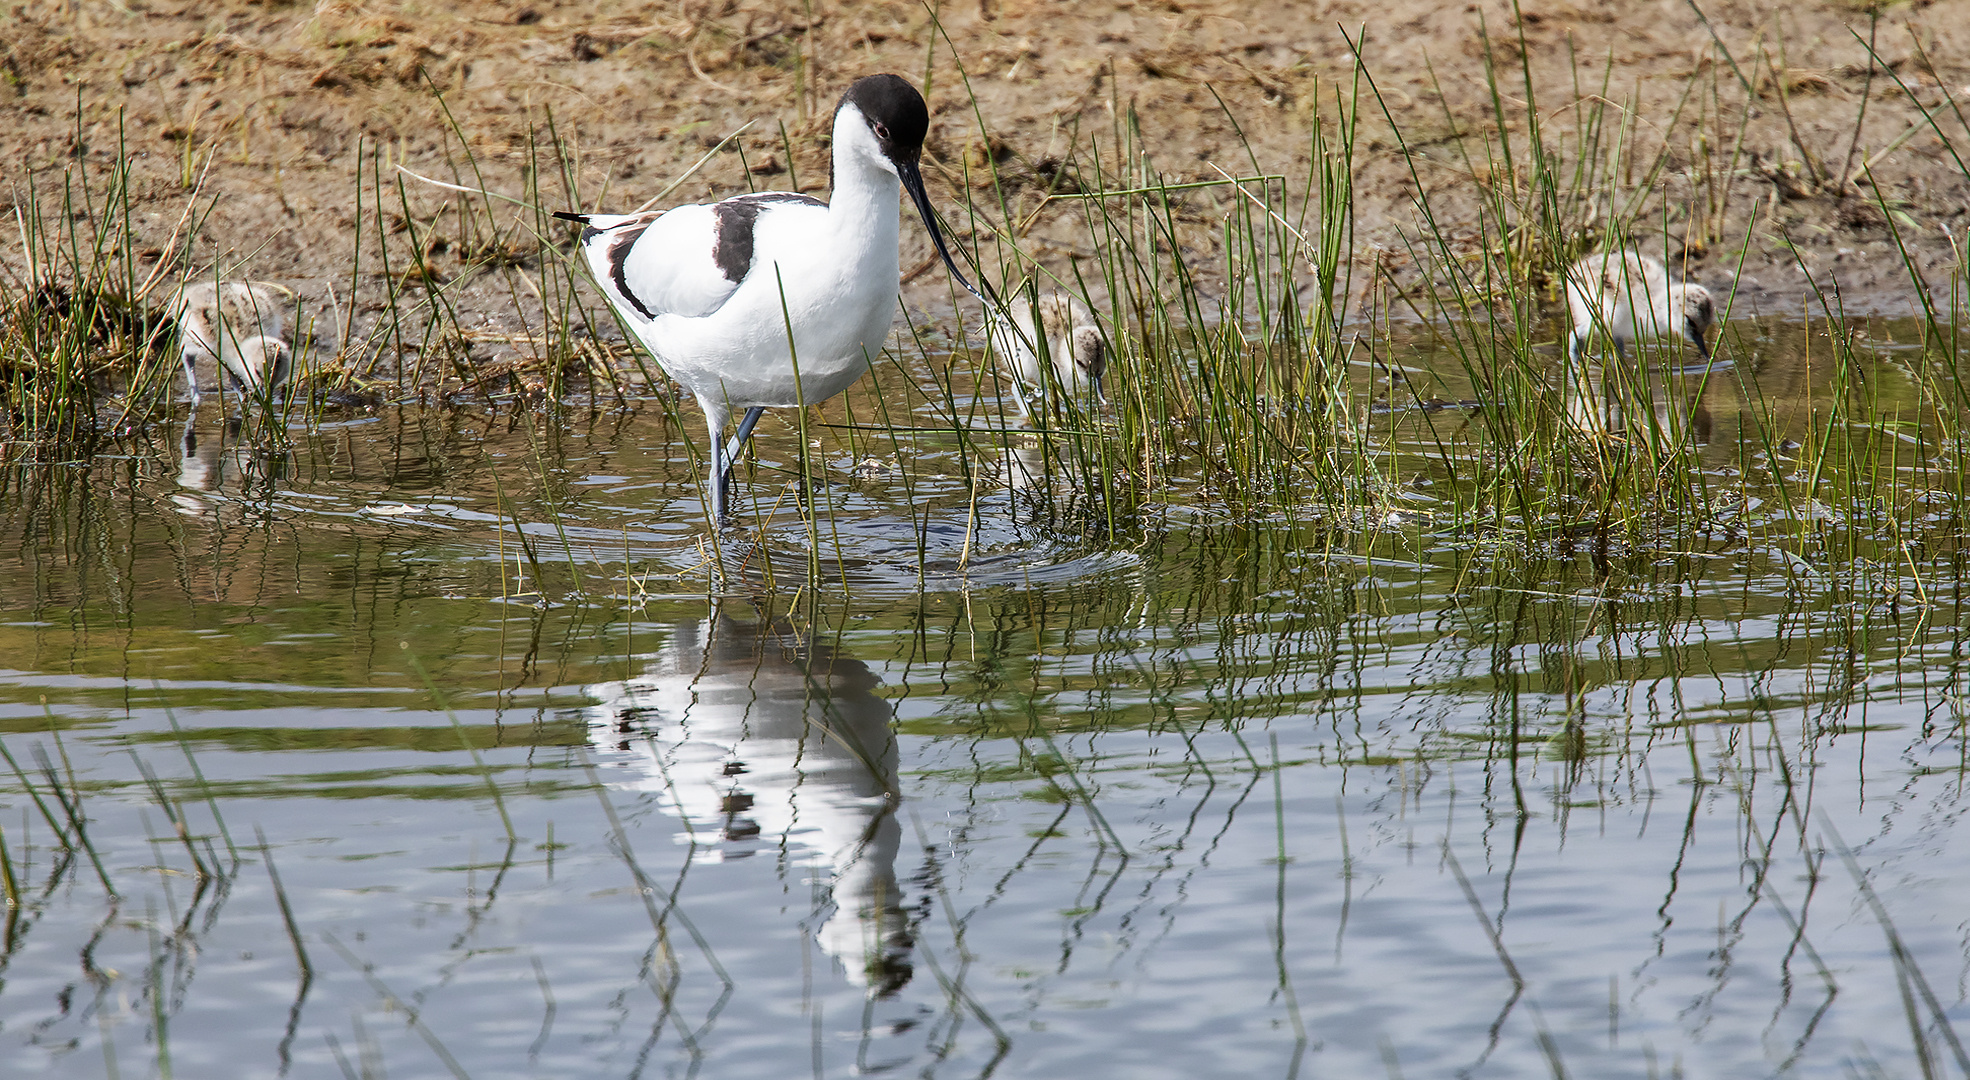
191	378
746	423
716	481
722	457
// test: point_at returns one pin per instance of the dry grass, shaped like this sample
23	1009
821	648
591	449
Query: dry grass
283	101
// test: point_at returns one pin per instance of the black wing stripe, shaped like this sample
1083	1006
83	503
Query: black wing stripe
619	259
735	219
732	244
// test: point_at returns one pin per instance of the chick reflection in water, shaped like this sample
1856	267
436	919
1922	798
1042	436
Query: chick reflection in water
1663	407
218	474
764	740
1668	405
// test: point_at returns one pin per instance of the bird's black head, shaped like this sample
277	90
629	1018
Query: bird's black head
898	120
895	112
1698	313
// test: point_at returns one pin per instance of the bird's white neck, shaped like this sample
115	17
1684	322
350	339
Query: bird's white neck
868	198
865	188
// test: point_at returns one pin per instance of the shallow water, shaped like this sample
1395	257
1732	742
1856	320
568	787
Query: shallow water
1010	791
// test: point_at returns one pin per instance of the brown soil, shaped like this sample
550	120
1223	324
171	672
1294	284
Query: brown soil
282	99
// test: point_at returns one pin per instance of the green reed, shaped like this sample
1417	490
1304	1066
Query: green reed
1270	377
86	342
77	300
1226	382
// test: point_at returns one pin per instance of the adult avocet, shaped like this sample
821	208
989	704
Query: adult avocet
237	325
711	290
1066	329
1628	296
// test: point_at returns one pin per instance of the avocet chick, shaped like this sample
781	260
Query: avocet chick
1628	296
236	324
1066	330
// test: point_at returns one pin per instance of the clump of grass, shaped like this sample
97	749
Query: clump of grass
1251	383
85	344
428	239
1263	379
73	321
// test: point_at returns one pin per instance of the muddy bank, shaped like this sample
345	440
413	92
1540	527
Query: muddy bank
1759	142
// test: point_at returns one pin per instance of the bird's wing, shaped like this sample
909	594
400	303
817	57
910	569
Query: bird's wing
197	316
1596	283
251	310
644	263
685	261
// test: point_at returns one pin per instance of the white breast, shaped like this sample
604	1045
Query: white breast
808	273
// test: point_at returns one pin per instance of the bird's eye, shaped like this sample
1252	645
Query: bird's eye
881	129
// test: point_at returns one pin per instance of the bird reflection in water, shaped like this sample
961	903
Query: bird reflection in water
219	473
1668	404
760	738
